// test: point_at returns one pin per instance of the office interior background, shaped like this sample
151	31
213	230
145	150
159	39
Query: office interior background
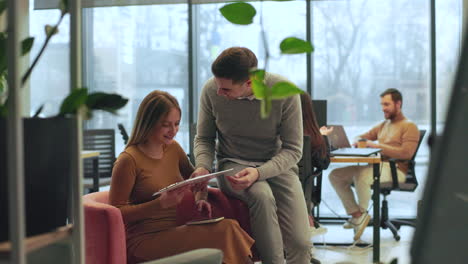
361	48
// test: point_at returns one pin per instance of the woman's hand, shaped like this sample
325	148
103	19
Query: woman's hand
325	131
173	197
203	205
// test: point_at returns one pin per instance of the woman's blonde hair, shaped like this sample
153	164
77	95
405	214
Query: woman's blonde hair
152	109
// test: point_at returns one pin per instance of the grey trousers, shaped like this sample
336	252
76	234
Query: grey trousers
278	216
362	177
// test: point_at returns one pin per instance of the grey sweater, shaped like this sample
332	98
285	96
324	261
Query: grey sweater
275	143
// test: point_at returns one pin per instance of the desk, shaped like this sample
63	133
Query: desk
375	160
94	156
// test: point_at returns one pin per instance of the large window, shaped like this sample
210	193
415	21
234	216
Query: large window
361	48
364	47
448	44
50	80
133	50
214	34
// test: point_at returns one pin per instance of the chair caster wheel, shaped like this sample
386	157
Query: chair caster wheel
397	238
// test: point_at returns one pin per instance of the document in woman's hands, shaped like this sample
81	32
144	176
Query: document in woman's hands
198	179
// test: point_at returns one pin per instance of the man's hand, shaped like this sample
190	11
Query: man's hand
203	205
202	185
199	172
371	144
243	179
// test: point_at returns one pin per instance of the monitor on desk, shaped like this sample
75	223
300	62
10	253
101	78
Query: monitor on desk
320	109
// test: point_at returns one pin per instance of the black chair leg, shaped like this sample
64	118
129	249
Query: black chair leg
385	221
399	222
394	230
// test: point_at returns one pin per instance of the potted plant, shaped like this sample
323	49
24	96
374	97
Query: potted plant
47	151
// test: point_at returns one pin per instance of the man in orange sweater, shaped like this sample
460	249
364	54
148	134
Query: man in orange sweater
398	138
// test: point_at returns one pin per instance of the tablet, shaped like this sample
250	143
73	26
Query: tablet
198	179
205	221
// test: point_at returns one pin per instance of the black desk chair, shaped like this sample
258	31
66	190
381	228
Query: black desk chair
311	178
408	186
123	132
103	141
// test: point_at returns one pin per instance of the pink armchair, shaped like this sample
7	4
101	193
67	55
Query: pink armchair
105	232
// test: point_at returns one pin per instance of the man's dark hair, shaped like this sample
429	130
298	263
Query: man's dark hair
234	63
396	95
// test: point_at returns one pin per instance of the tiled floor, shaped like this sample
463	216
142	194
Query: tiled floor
389	249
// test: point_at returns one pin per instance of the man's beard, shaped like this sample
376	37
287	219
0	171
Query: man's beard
390	115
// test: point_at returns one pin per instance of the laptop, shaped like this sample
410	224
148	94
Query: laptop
340	145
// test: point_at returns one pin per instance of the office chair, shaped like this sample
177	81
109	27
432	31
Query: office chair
102	140
408	186
311	178
123	132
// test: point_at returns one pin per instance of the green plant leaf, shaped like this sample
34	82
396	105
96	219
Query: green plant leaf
63	5
239	13
259	88
3	53
284	89
293	45
50	30
394	261
106	102
73	101
265	108
257	74
26	45
3	83
4	109
2	6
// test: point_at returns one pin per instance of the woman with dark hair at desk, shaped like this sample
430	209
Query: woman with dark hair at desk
320	148
151	161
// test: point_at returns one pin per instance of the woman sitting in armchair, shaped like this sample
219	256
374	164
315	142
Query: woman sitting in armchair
152	160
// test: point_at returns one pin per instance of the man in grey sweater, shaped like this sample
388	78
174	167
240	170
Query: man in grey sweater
263	152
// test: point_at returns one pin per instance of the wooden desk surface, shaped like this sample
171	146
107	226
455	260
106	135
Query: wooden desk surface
354	159
85	154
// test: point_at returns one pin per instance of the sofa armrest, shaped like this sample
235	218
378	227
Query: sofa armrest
104	234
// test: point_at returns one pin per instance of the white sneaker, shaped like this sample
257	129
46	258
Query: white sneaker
347	224
318	231
359	224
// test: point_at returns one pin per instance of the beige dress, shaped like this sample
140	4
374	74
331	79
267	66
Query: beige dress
151	230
